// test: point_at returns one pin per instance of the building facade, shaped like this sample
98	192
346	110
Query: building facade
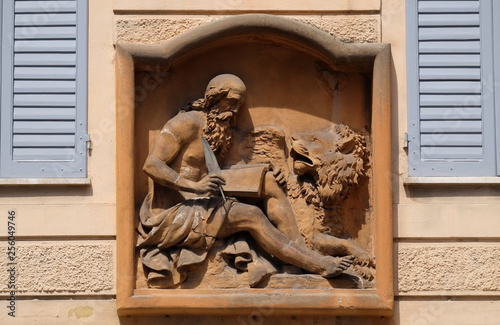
58	174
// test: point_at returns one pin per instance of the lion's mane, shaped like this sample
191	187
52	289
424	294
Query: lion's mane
340	170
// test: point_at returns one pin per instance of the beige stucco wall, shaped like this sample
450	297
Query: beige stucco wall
66	233
446	237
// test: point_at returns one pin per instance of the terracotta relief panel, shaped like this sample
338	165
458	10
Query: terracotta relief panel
254	165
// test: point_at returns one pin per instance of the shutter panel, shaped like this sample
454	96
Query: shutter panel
450	104
44	88
496	83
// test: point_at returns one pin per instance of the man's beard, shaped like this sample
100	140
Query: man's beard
218	132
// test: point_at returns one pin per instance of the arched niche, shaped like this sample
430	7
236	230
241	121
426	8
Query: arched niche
299	79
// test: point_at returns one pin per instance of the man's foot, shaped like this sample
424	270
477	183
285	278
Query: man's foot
336	265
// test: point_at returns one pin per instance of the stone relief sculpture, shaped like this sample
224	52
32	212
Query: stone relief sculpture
326	166
255	228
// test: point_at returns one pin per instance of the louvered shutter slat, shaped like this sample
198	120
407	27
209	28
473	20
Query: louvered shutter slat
42	59
45	32
450	100
45	6
448	19
473	140
450	87
466	126
450	113
450	60
44	86
453	73
44	19
46	46
44	154
450	47
43	73
43	127
452	7
437	153
44	113
47	140
449	33
44	100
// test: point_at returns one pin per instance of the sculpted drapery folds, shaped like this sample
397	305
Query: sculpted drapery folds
182	215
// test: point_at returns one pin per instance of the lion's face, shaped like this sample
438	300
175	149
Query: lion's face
311	150
336	158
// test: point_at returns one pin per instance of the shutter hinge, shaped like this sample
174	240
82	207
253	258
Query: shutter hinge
406	141
86	138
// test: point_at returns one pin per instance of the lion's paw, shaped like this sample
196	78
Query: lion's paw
365	272
362	257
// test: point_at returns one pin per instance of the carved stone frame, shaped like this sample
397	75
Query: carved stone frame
371	58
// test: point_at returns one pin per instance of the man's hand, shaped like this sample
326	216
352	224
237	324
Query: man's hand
209	184
279	176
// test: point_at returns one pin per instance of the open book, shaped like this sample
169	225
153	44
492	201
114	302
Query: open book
244	180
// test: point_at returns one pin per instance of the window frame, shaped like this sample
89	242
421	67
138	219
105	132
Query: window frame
489	165
74	168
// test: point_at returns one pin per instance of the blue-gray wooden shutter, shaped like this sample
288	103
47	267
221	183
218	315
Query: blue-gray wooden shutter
451	114
44	88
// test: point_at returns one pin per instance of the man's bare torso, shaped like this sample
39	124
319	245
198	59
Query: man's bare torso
189	161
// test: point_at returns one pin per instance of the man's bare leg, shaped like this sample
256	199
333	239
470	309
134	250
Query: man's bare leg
279	210
243	217
281	214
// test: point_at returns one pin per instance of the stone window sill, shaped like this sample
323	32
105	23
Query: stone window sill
415	181
45	181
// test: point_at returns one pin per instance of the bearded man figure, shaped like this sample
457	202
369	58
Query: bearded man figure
181	216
